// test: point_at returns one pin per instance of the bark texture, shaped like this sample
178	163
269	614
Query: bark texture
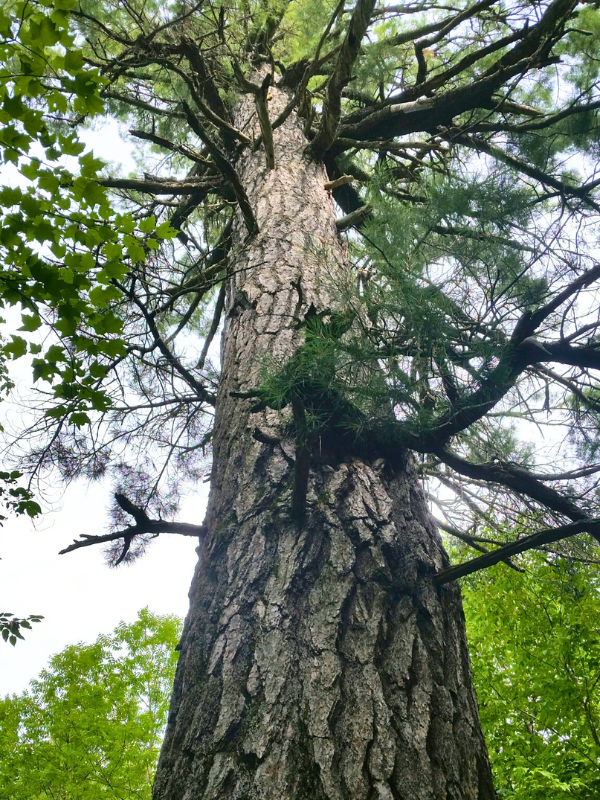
318	660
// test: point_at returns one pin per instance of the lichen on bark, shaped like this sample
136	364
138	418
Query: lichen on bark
318	659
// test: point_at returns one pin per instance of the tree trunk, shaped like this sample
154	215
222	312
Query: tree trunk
317	660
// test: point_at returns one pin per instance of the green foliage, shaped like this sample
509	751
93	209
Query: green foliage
327	377
305	22
16	499
440	278
91	725
62	245
536	662
11	626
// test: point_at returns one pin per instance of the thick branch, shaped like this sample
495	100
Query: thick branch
472	541
520	546
262	111
169	145
564	189
136	102
205	80
354	218
441	28
409	112
563	353
261	95
152	527
342	73
143	526
519	480
513	361
468	409
530	321
163	186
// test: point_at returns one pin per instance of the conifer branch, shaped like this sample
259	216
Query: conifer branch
342	73
411	112
262	112
167	187
169	145
143	526
207	85
547	536
201	391
476	542
564	189
519	480
260	92
354	218
440	28
225	168
137	102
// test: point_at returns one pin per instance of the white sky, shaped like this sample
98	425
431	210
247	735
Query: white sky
79	596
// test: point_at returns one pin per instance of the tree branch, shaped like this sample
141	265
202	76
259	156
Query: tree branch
441	28
262	112
518	479
354	218
472	541
203	394
225	168
205	80
164	186
565	189
153	527
342	73
410	112
547	536
137	103
168	145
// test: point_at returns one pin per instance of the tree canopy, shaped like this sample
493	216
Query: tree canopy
534	649
461	143
91	725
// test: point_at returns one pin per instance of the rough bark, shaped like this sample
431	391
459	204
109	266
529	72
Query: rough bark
318	660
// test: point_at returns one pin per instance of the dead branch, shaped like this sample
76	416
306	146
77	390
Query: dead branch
143	526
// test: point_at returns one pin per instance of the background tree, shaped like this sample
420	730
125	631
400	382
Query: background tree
324	652
534	646
91	725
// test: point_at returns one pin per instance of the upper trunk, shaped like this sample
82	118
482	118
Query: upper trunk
317	659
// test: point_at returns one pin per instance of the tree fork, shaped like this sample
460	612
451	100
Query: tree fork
318	659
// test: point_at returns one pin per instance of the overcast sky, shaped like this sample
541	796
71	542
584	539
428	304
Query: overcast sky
79	596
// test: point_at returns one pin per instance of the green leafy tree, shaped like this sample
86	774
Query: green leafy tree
536	662
391	212
90	726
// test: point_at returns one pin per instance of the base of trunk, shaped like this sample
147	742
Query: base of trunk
320	662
